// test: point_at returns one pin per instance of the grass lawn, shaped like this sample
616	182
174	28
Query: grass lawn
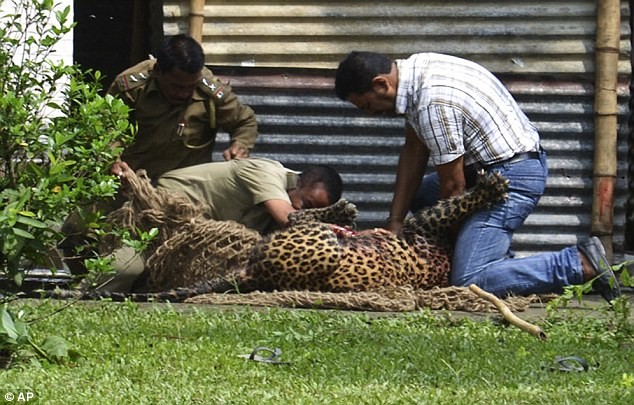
181	354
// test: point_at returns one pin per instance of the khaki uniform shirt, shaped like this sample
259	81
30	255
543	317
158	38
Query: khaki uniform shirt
235	190
170	137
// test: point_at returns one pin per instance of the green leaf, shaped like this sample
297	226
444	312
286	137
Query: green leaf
60	166
20	325
21	232
56	347
22	328
7	326
18	278
31	222
626	279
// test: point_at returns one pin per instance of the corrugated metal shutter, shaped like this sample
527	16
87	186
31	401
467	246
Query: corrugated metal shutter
505	36
543	52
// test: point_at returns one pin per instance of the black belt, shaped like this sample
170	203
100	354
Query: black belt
517	158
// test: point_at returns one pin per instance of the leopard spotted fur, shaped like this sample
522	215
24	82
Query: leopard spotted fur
312	255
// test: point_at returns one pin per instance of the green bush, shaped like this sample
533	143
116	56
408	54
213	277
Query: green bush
57	133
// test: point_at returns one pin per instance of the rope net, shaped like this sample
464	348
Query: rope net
389	299
190	246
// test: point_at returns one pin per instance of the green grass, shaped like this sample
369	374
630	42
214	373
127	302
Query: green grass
161	354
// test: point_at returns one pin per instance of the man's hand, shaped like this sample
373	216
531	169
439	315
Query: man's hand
394	225
279	210
119	168
235	152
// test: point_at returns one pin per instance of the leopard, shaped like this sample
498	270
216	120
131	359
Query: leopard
318	256
321	250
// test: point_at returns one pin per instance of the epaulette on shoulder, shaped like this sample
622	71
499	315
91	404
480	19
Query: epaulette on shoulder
214	87
129	81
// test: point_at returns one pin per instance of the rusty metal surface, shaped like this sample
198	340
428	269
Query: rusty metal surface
505	36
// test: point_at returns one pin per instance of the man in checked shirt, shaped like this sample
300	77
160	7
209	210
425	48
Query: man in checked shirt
460	118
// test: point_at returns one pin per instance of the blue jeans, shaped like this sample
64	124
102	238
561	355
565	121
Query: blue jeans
482	253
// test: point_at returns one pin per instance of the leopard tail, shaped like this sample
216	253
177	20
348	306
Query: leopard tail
489	188
175	295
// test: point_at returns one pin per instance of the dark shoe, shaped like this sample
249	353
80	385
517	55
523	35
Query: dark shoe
605	282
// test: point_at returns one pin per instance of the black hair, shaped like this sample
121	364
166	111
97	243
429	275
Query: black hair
326	175
180	52
356	71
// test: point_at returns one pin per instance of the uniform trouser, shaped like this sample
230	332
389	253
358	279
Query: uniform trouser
482	253
79	238
127	264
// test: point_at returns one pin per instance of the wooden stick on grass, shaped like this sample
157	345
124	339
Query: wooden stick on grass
508	314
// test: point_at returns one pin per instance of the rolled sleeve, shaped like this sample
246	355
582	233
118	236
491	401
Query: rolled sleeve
440	127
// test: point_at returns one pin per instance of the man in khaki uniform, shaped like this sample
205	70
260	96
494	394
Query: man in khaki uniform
258	193
179	105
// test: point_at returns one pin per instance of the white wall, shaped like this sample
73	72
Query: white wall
64	48
63	51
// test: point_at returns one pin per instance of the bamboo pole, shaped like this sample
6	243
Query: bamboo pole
608	35
196	19
508	314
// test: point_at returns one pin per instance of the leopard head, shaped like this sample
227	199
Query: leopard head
343	213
